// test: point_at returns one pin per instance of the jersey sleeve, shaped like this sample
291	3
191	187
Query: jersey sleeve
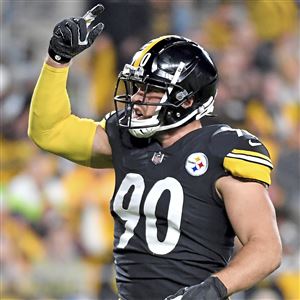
52	126
104	120
110	124
243	155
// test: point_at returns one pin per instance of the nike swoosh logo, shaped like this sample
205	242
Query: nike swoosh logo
253	144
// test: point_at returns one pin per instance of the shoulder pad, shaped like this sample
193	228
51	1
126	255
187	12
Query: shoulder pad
102	123
243	154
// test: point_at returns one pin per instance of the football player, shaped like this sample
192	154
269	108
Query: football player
183	191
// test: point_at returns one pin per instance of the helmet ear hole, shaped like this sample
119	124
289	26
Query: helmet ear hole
176	114
188	103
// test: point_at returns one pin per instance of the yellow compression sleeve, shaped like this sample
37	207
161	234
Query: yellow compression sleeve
52	126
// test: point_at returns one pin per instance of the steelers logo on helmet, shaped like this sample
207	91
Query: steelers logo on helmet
197	164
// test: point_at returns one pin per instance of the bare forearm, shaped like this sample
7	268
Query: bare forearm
256	260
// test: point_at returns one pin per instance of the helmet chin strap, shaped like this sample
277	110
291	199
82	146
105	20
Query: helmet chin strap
149	131
206	108
144	132
200	112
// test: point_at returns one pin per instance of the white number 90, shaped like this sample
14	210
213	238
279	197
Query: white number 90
131	215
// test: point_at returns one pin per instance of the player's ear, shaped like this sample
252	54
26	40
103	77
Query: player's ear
188	102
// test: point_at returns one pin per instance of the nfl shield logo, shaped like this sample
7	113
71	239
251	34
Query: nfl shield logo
157	158
196	164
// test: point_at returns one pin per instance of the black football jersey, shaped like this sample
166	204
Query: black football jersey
171	228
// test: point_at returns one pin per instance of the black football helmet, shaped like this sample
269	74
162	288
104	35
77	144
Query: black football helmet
178	67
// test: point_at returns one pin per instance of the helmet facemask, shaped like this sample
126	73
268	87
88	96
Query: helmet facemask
129	81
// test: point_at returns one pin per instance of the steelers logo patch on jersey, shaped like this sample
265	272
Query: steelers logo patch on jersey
196	164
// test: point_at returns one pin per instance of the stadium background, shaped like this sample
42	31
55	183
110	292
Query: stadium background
56	231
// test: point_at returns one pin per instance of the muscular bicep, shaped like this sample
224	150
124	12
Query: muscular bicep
101	151
249	209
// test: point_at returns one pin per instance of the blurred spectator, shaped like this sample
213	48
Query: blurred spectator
21	247
271	19
61	274
35	188
288	174
88	195
16	149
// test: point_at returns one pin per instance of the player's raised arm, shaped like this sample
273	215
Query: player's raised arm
52	126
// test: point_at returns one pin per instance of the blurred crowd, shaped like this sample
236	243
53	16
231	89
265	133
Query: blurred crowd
56	230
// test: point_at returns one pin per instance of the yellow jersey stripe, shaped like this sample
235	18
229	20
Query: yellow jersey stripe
248	170
140	54
252	159
102	123
251	153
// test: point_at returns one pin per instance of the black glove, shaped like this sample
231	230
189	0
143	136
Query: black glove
210	289
72	36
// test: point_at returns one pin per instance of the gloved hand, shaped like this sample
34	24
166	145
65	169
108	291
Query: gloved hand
210	289
72	36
